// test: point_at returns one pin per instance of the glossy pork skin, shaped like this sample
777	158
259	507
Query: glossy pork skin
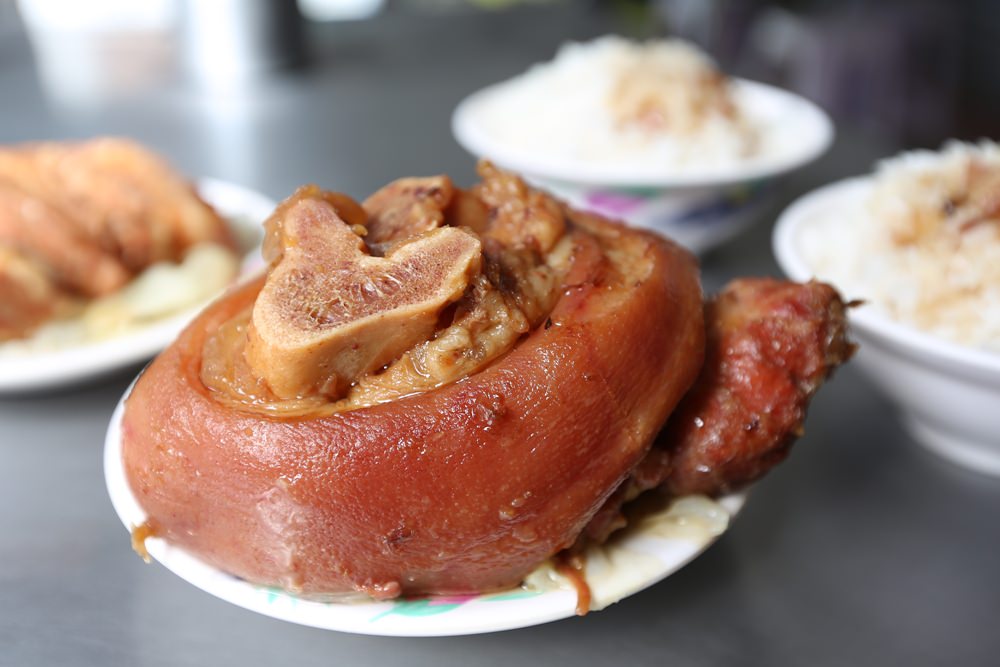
463	488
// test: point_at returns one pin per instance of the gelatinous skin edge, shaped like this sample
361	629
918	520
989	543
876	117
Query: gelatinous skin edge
460	489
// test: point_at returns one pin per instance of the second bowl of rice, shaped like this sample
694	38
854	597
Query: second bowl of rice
652	133
918	243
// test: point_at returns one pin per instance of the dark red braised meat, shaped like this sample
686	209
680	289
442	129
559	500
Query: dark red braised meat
770	344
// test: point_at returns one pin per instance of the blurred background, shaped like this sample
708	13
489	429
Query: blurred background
862	550
230	80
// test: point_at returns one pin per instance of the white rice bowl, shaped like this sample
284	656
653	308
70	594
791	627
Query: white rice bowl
893	249
558	120
563	108
921	249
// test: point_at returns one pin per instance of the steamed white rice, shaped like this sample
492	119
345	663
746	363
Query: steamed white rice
924	248
571	107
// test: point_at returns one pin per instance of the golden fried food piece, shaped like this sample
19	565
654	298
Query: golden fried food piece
94	214
29	298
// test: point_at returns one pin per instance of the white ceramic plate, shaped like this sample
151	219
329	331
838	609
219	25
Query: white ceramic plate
798	127
636	560
244	210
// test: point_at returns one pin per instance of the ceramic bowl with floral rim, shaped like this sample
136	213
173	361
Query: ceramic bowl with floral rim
700	206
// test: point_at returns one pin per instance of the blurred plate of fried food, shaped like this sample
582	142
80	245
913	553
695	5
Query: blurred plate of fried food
105	255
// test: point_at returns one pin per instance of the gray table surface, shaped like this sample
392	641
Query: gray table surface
862	549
